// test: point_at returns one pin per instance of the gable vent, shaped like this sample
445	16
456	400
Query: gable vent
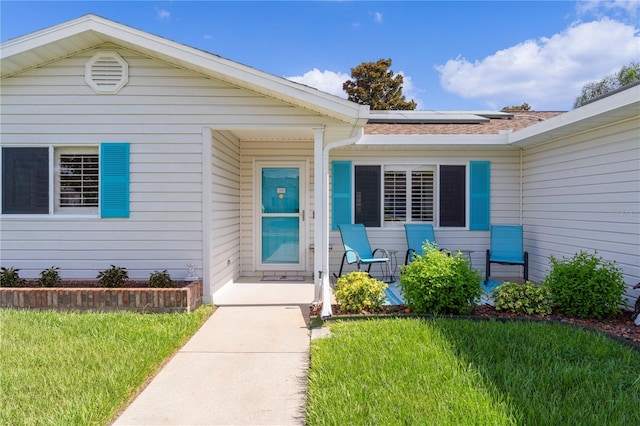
106	72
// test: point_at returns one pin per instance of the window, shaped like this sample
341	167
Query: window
66	180
408	194
390	195
77	180
25	180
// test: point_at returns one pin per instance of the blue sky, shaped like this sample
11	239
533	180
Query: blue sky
454	55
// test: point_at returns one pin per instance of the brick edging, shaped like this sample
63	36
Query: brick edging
159	300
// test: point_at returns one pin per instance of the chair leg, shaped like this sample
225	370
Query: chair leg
487	268
344	256
526	266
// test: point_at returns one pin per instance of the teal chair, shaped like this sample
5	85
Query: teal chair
417	235
507	249
358	250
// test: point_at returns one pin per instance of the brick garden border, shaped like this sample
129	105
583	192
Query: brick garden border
184	298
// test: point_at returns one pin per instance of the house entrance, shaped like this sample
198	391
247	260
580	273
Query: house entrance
281	216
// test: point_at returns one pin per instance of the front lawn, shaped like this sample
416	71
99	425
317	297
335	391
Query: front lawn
464	372
81	368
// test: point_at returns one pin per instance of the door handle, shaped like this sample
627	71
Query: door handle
303	215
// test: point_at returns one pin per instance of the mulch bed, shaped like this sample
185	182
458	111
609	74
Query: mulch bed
620	327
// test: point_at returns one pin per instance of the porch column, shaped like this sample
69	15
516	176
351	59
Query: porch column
321	260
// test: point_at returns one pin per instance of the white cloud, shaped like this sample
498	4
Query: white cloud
623	8
327	81
163	14
547	73
377	17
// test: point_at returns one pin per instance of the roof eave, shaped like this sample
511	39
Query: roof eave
618	107
179	54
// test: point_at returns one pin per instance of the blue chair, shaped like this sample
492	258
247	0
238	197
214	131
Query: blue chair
507	249
417	235
358	250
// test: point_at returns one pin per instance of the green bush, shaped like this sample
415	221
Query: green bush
358	292
116	276
10	277
523	299
160	279
585	286
438	282
50	277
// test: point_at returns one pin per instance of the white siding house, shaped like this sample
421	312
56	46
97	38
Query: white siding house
230	169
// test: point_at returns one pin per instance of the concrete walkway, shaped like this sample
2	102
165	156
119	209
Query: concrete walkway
247	365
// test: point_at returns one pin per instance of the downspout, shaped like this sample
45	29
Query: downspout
325	286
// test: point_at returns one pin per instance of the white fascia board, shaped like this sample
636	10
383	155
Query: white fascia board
470	141
213	65
45	36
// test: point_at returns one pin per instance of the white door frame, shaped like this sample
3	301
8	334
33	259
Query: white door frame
302	165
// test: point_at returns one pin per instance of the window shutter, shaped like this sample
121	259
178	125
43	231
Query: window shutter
479	193
114	180
453	196
340	193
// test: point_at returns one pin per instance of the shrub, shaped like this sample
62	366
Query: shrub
523	299
438	282
10	277
160	279
115	276
50	277
358	291
585	286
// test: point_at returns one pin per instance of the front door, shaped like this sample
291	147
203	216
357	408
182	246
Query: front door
281	216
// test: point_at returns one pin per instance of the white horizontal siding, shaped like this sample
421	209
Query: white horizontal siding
225	217
161	112
583	194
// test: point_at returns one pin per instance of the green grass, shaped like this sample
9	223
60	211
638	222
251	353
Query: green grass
82	368
463	372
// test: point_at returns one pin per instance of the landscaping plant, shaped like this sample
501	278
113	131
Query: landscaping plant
116	276
439	282
10	277
586	286
160	279
523	299
358	292
50	277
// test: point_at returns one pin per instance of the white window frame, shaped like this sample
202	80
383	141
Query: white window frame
53	190
57	184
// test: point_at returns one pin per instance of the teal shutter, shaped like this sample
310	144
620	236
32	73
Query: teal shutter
479	193
340	193
114	180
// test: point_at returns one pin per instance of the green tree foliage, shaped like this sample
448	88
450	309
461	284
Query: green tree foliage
374	84
524	107
627	75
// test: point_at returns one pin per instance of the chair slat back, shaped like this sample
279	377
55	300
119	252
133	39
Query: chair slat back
354	237
507	244
418	234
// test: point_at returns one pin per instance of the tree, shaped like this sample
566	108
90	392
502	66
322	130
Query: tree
374	84
627	75
524	107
